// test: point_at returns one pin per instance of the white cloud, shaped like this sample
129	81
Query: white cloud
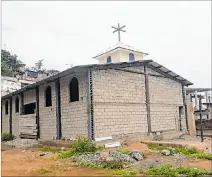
176	34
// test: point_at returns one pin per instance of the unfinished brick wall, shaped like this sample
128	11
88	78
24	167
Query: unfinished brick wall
74	117
47	114
165	99
15	116
119	103
5	118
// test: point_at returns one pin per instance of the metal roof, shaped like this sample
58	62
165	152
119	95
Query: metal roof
192	90
150	63
120	46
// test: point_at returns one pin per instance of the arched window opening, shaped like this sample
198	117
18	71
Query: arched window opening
74	90
48	96
131	57
6	107
109	60
17	104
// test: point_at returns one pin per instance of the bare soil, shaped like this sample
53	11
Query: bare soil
28	162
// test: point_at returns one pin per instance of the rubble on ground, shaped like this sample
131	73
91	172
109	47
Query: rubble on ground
137	155
22	143
166	152
132	157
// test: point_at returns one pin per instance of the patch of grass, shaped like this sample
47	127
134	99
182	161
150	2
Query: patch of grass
7	137
113	164
190	152
90	165
167	170
44	171
123	151
45	148
66	154
121	172
82	145
124	173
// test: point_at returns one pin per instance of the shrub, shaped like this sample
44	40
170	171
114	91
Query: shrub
82	145
7	137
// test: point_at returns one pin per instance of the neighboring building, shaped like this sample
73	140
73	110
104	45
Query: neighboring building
11	84
128	99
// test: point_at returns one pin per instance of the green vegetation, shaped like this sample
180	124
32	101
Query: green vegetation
167	170
190	152
44	171
123	151
45	148
7	137
113	164
115	167
10	65
125	173
82	145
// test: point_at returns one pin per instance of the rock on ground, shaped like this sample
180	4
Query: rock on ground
165	152
137	155
90	158
22	143
119	156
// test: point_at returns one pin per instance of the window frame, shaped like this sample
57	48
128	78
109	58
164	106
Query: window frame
45	96
6	105
131	54
69	88
109	57
17	111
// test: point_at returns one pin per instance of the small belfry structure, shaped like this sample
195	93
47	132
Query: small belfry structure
120	52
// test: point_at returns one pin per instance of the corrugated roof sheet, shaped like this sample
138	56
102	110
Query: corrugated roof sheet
151	64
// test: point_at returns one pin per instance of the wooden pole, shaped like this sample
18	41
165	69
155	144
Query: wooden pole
147	100
200	109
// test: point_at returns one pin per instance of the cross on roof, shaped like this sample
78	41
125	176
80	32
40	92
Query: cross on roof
119	29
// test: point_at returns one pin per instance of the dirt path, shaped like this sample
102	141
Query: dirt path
20	162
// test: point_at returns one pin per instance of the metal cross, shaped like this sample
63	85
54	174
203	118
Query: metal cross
119	29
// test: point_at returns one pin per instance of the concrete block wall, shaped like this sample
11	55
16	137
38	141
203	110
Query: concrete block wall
74	117
119	103
47	114
5	118
16	117
165	99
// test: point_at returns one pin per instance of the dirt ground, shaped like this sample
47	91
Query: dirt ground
28	162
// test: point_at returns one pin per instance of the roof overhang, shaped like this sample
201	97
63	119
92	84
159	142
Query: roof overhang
84	68
193	90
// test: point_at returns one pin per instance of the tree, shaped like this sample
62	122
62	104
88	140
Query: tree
10	65
52	72
39	66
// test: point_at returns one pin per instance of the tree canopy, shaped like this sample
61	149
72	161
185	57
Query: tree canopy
10	65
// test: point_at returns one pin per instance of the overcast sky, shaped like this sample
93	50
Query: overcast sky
175	34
